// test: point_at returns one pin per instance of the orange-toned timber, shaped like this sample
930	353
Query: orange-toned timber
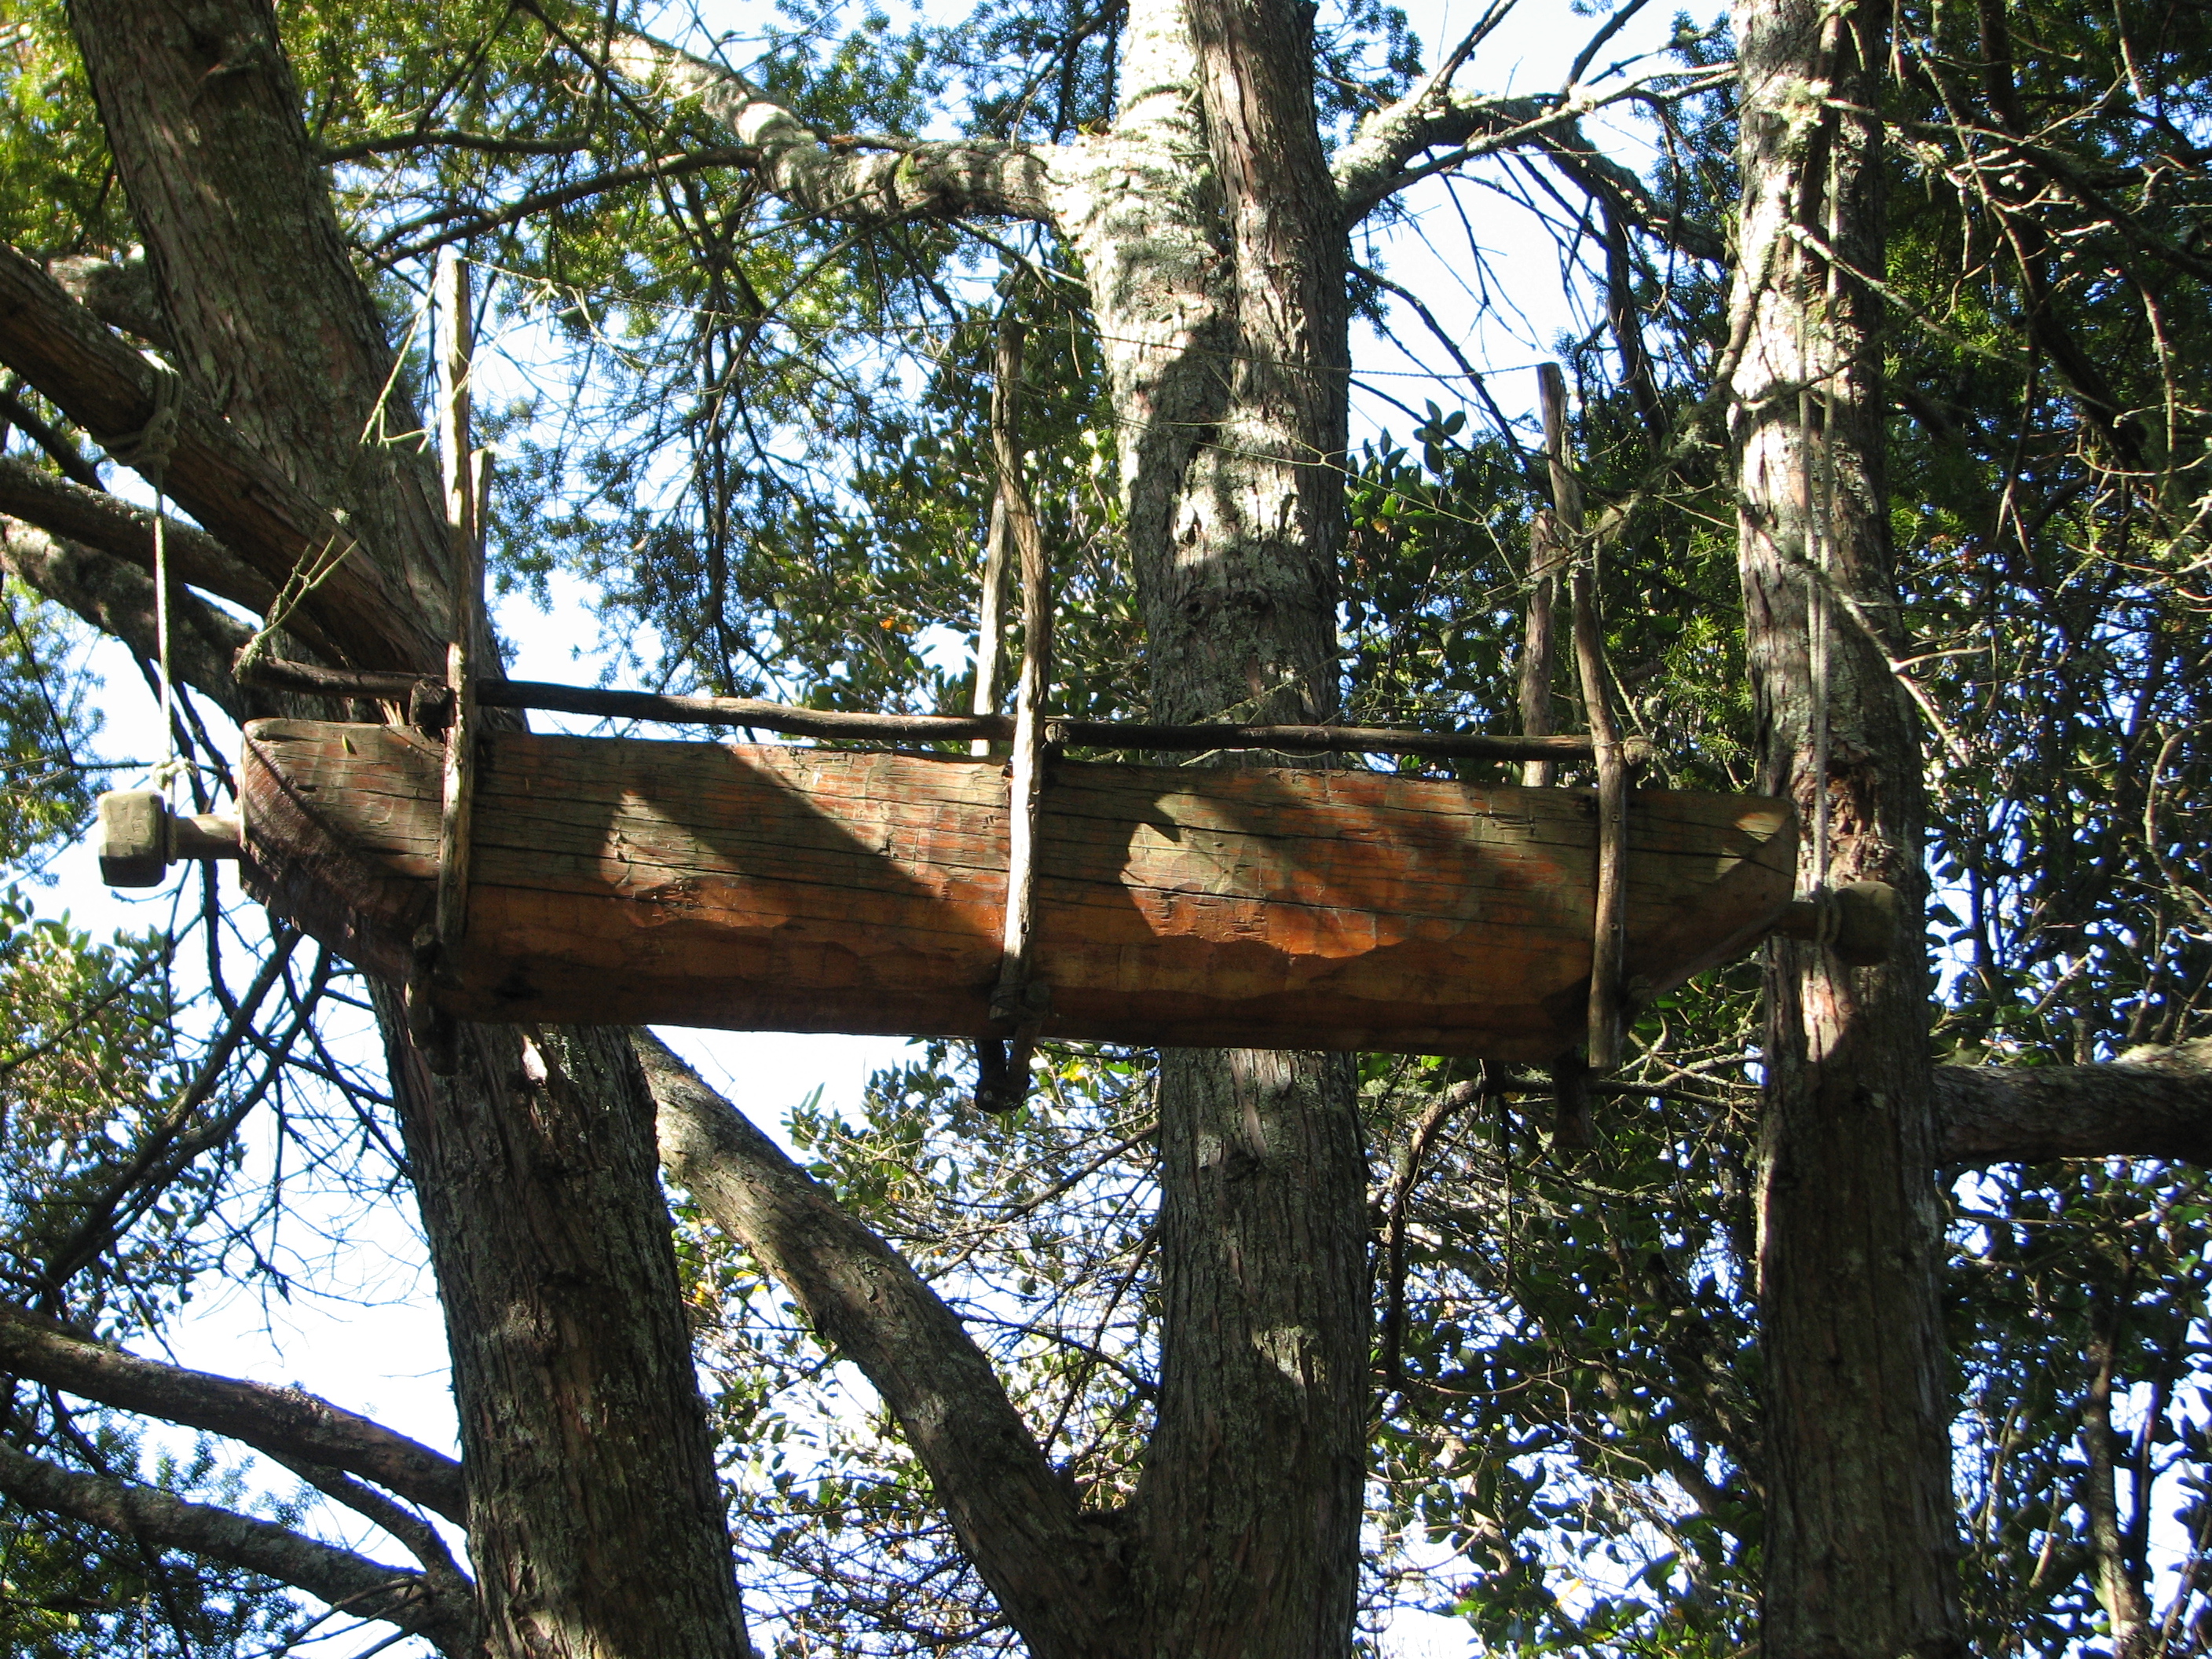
769	887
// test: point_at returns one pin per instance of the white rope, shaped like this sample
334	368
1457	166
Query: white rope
147	451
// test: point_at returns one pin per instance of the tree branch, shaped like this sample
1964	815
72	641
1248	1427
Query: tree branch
366	1588
117	599
453	138
2150	1102
239	496
1603	176
459	225
285	1423
117	527
950	180
419	1537
1051	1567
1378	163
57	444
174	1138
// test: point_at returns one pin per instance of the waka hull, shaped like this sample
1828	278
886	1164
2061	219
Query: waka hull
769	887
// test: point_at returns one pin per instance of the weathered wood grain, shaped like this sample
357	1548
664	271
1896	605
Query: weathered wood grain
774	888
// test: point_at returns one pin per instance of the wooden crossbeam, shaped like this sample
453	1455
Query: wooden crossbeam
841	725
780	888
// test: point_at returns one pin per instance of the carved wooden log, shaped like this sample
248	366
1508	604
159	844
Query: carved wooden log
810	889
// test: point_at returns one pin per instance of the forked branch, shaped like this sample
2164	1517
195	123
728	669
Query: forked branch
1380	161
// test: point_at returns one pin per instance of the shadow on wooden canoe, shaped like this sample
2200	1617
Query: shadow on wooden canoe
774	888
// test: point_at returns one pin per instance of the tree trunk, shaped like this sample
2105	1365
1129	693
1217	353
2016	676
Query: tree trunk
2119	1576
1860	1541
595	1517
1220	295
595	1521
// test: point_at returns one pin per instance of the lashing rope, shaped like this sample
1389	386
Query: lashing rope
147	451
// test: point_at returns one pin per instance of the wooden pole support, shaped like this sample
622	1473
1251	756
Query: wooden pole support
460	466
434	1031
1566	488
1609	949
1020	999
991	602
1553	537
138	838
1538	648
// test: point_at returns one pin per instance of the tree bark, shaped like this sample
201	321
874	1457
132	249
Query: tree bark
2150	1102
2119	1572
363	1589
1859	1540
594	1518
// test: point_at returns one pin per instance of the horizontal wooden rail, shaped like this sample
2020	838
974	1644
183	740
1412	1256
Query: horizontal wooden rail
277	675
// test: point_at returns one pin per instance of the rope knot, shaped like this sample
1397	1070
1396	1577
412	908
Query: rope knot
147	450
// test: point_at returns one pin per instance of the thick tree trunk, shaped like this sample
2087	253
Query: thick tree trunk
1860	1543
594	1518
1220	292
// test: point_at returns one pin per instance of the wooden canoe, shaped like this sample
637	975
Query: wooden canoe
771	888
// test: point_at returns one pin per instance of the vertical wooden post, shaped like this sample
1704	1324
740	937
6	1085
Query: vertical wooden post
1551	536
1609	944
464	485
997	551
1566	488
1019	999
991	613
1538	649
